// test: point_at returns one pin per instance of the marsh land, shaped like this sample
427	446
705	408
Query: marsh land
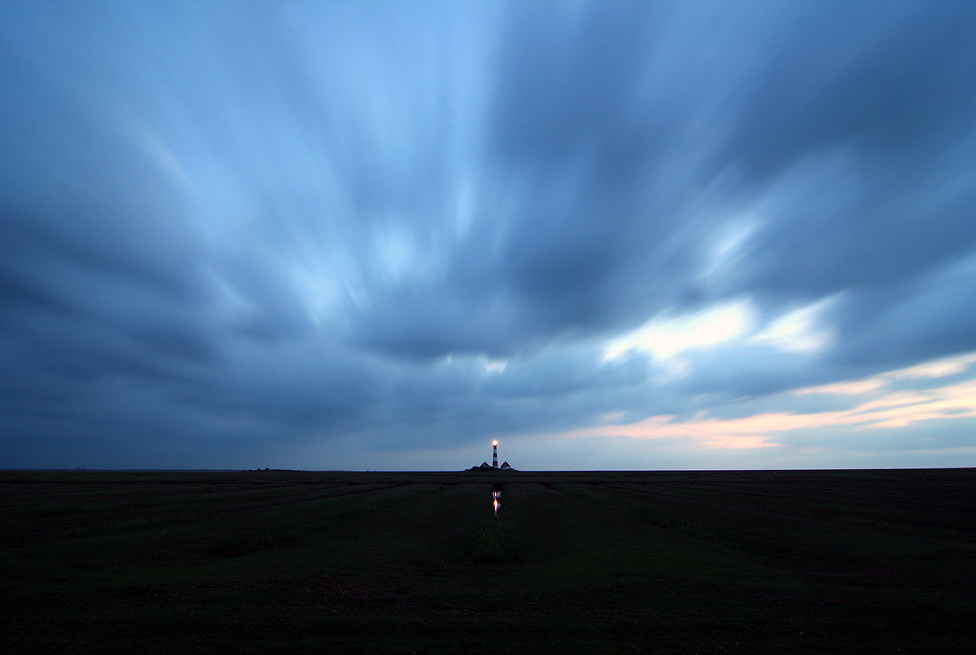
588	562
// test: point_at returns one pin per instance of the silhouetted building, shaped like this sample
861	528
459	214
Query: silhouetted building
494	462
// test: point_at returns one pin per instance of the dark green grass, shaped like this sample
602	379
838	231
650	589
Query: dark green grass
618	562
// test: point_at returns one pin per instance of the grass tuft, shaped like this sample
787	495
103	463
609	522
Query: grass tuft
493	541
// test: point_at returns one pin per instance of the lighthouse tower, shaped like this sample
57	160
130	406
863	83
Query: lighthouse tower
494	454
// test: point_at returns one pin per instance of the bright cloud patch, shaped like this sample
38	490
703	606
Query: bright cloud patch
799	331
665	337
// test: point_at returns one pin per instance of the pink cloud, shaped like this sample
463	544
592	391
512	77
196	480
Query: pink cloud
881	408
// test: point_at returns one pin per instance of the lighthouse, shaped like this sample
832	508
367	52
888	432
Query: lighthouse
494	454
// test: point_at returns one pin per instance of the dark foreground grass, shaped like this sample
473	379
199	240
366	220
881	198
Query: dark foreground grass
618	562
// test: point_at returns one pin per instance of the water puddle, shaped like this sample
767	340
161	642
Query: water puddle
496	499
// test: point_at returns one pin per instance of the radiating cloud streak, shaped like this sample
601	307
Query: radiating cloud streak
237	235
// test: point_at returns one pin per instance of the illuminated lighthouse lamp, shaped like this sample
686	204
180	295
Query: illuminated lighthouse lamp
494	454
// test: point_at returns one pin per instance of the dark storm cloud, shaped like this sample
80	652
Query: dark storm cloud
936	318
894	91
897	112
273	224
881	99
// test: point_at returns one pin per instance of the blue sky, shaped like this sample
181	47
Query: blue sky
377	235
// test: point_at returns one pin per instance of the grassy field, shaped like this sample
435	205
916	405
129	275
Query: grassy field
579	562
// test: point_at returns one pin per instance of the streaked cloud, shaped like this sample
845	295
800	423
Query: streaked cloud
800	330
879	402
330	235
665	336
